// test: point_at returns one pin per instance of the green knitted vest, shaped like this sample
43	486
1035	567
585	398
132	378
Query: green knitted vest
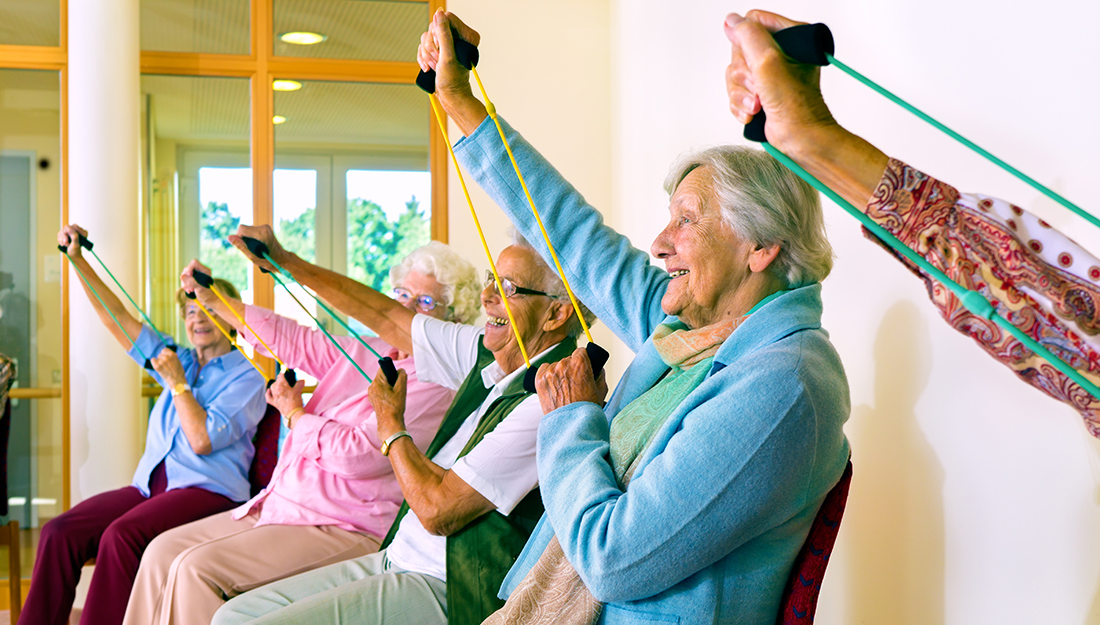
480	554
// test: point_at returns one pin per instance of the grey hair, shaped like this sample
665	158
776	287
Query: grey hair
461	289
765	203
552	284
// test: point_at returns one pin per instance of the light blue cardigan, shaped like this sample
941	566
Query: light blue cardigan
723	498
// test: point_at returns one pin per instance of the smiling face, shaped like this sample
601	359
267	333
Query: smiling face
200	331
707	260
419	284
539	318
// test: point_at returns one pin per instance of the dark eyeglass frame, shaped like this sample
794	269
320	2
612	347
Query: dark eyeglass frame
510	288
424	303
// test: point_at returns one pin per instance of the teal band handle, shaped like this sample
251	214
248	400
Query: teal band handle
972	300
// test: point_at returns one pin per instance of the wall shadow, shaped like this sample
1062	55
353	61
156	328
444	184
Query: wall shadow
896	523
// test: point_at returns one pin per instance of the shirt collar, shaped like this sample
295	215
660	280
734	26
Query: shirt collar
493	375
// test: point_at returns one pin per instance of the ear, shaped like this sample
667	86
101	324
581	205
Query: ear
762	257
560	311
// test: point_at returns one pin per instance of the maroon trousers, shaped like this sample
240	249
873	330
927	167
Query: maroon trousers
114	528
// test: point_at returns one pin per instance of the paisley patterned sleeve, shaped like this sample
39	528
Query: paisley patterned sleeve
1036	278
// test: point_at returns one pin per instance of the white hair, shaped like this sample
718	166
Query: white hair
767	204
551	283
461	289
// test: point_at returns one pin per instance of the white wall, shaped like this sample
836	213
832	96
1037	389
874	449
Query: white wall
976	499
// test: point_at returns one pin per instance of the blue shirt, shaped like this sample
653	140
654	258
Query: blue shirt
231	392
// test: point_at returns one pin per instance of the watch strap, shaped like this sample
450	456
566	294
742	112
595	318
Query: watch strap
390	441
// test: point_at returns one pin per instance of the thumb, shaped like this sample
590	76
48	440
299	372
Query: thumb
441	31
773	22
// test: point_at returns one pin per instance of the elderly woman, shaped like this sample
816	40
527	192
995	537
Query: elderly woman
197	453
333	494
471	499
687	496
1036	277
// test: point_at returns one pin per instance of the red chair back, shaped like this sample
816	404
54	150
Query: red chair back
799	600
266	442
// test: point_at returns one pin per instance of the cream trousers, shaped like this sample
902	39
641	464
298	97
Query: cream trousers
187	573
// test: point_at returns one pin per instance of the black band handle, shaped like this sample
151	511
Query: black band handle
205	280
258	248
169	346
288	375
388	369
465	53
596	355
810	44
84	243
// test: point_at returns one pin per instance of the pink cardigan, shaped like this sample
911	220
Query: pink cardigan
330	470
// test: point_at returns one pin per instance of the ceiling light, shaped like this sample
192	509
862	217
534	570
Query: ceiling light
278	119
286	85
302	38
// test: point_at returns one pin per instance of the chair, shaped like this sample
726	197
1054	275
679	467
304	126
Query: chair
799	600
266	442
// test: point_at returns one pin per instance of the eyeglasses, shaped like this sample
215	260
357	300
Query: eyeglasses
424	303
510	289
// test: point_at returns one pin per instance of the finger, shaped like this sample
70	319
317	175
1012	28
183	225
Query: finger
80	230
464	32
401	382
441	33
269	396
771	21
300	386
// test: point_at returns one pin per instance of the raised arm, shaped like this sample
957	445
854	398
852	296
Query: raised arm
69	237
227	312
799	124
390	320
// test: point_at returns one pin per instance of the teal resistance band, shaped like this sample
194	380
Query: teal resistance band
259	250
101	303
973	300
968	143
162	335
813	44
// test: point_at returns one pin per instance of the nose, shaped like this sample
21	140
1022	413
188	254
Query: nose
411	304
489	294
662	245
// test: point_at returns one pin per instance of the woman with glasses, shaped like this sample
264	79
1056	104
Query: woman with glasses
198	449
333	494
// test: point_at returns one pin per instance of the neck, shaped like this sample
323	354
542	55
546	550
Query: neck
751	294
210	352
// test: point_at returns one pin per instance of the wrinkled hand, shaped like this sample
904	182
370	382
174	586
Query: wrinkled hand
267	236
436	51
167	364
69	236
569	380
283	396
187	281
760	77
389	403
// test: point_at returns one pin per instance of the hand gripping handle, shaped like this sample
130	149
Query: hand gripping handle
258	248
596	355
288	375
465	52
386	365
204	279
811	44
84	243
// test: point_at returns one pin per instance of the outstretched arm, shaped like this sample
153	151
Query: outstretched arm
69	237
390	320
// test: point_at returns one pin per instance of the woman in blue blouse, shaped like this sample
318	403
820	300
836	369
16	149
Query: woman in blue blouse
685	497
197	453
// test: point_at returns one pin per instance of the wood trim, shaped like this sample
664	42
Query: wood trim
34	393
438	163
191	64
66	401
32	57
262	150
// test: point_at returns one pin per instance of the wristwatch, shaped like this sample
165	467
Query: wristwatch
389	441
182	387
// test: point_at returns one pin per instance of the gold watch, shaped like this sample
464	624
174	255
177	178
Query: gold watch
182	387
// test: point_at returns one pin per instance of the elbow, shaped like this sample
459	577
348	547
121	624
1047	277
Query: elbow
441	521
202	449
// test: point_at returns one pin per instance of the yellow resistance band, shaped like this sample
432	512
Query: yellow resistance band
500	289
245	324
231	340
492	110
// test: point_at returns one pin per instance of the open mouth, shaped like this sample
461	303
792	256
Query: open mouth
678	273
496	322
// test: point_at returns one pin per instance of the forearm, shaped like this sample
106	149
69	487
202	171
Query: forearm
110	305
841	160
442	501
193	422
467	113
390	320
229	313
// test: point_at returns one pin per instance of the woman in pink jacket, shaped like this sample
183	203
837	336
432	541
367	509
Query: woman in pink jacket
333	495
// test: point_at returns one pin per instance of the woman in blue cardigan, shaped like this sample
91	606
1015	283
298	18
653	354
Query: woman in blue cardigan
685	497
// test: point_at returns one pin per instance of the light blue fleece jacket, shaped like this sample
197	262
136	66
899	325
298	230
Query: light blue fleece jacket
724	496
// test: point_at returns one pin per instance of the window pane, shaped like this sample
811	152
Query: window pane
30	22
204	26
389	215
350	29
30	292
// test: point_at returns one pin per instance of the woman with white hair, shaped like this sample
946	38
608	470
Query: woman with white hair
333	494
686	497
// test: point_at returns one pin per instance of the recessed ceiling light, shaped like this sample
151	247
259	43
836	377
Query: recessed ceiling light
302	38
278	119
286	85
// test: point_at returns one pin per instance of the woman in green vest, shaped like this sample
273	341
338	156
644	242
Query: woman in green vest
471	498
